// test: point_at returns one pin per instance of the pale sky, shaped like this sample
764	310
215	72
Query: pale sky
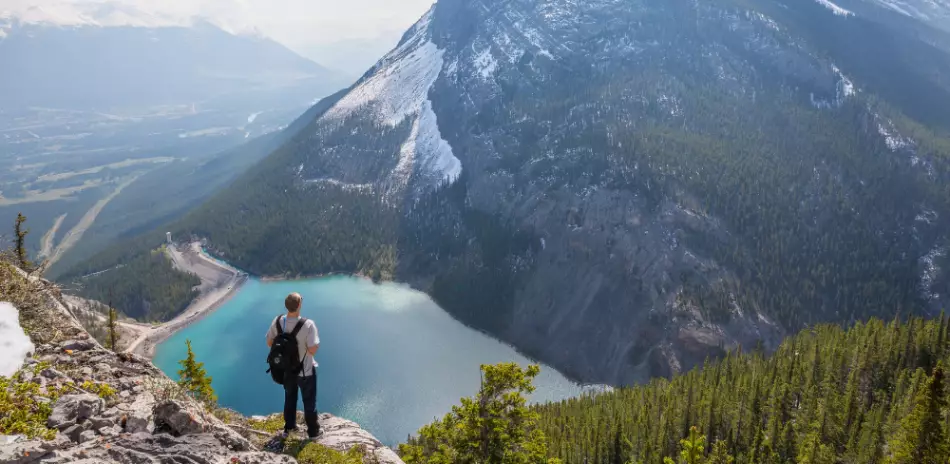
347	32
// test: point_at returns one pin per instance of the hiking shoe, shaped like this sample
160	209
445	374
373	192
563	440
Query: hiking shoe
318	437
286	433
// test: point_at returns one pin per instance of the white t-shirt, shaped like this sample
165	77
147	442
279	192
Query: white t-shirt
307	337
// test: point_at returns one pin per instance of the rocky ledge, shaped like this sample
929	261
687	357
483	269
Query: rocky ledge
106	407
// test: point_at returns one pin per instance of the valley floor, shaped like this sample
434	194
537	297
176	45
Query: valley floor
218	283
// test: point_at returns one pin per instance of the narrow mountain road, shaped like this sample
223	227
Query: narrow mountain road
218	283
75	234
46	244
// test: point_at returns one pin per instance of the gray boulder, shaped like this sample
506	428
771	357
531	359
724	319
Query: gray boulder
73	409
179	418
88	435
100	422
341	435
136	417
78	345
73	432
24	452
52	374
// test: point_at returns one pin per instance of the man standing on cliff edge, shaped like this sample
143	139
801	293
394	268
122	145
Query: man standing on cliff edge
307	341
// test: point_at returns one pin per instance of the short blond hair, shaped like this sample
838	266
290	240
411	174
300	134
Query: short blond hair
293	302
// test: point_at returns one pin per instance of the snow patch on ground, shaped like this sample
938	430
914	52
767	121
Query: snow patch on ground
14	344
769	22
670	104
512	50
835	8
535	38
929	271
928	216
845	86
892	138
254	116
485	64
345	186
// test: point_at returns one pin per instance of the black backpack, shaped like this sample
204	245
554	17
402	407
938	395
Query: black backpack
284	360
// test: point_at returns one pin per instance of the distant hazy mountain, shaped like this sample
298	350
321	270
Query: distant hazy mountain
353	56
84	64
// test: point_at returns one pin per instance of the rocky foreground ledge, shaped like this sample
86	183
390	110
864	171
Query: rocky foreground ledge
104	407
119	408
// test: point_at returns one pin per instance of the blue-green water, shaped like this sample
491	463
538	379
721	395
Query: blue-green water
390	358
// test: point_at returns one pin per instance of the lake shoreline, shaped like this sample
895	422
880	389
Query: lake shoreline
219	283
170	330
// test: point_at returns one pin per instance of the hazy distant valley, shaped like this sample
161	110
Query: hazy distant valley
107	131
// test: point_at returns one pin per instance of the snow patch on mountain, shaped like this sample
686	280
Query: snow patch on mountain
485	64
769	22
835	8
437	153
892	137
845	86
399	82
929	271
398	88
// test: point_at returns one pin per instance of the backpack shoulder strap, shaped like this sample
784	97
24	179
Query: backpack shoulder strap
299	326
280	331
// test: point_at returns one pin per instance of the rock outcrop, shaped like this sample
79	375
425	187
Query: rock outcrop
106	407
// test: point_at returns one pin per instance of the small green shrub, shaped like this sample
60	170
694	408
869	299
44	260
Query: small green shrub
22	411
104	390
272	424
314	453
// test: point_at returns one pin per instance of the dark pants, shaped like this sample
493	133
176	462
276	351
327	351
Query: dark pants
308	388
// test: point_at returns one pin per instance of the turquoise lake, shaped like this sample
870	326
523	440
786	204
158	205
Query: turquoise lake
390	358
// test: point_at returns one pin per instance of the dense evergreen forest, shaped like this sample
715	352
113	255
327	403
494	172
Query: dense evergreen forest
876	393
149	288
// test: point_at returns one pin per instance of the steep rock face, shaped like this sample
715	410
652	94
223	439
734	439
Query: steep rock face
622	188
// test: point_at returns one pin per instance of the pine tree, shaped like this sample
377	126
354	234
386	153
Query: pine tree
693	449
494	427
720	454
194	379
921	438
21	254
112	325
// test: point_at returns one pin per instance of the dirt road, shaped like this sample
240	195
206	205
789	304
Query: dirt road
72	237
218	283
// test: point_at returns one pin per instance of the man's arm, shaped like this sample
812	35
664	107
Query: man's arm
271	333
313	340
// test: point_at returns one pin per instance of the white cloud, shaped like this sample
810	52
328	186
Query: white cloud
295	23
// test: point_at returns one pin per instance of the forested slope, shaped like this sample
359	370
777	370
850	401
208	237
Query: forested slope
874	393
